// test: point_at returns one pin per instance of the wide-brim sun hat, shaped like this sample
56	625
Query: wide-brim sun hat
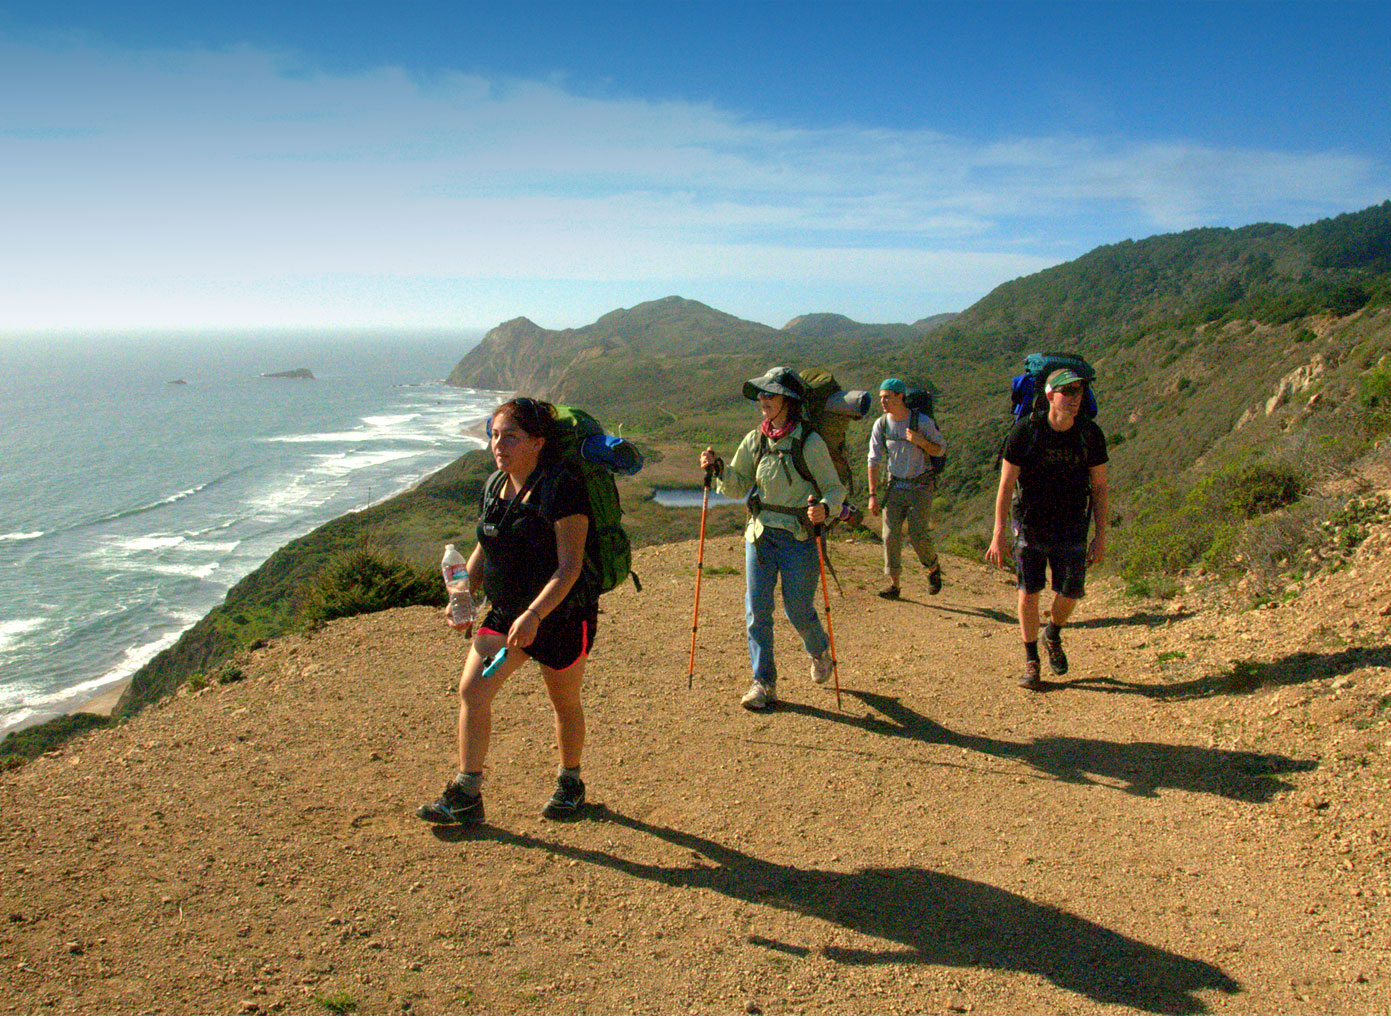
779	381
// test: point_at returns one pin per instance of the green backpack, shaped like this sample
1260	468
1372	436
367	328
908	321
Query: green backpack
827	409
831	424
595	457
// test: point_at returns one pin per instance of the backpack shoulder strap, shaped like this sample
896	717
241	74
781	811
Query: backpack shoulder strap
799	457
492	488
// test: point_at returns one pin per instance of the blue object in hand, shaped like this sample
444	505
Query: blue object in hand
494	663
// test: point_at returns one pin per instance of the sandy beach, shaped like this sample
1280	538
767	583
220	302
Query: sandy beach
105	702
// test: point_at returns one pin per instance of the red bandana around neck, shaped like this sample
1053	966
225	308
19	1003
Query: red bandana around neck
777	434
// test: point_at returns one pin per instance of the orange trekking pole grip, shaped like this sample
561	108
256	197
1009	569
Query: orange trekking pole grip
700	570
826	596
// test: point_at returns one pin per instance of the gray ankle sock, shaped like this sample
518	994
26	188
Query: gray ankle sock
469	782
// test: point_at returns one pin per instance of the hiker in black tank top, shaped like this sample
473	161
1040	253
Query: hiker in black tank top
529	557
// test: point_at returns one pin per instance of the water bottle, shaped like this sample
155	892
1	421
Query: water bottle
455	570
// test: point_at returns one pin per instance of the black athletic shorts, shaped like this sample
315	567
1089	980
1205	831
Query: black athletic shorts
1066	559
559	643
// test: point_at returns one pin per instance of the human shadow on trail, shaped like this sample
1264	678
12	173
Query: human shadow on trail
1134	619
934	918
995	615
1248	676
1143	768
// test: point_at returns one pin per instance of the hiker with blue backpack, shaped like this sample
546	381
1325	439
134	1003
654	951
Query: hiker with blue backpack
530	556
1052	486
904	442
784	509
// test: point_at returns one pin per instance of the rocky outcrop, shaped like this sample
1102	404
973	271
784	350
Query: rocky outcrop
294	373
511	357
520	356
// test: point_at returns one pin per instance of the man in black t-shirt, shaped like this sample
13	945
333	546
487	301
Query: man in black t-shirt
1053	477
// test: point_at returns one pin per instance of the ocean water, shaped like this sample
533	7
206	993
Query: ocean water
130	504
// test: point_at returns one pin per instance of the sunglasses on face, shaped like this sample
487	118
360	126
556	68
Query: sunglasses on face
1073	390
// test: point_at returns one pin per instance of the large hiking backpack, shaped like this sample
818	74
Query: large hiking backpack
595	456
919	401
827	409
1026	390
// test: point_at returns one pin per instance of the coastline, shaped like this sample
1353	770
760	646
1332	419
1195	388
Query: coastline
105	702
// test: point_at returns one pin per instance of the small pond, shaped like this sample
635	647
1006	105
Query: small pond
689	498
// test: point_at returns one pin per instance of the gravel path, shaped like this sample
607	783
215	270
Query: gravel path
1159	831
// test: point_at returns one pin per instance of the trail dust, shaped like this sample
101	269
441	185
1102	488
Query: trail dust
1161	830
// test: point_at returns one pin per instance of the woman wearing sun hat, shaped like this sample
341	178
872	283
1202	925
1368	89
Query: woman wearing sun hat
783	510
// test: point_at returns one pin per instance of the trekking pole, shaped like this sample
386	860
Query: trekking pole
700	570
826	596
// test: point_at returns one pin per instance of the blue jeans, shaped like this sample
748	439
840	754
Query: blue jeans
777	551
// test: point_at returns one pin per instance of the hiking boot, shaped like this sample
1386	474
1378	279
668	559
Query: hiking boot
822	667
1033	676
760	696
934	580
566	800
890	592
453	807
1057	658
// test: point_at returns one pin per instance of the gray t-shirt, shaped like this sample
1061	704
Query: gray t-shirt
907	464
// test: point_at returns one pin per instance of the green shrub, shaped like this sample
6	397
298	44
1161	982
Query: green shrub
26	744
230	674
336	1003
369	580
1264	487
1374	391
1206	524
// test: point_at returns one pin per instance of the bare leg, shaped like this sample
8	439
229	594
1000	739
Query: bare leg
1028	615
563	685
1062	609
476	697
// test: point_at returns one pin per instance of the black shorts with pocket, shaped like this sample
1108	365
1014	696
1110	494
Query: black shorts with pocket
560	642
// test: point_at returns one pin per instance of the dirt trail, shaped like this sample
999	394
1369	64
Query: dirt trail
1157	833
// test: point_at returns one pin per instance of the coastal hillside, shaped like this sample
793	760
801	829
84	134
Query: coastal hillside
1215	349
1191	821
627	356
1230	422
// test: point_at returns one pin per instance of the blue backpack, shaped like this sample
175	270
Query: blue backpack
1026	391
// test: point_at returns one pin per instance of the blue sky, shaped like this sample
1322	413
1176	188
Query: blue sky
453	165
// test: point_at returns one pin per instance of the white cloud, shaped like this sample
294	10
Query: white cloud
139	184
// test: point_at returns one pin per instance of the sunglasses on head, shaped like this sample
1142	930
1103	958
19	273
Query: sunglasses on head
524	404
